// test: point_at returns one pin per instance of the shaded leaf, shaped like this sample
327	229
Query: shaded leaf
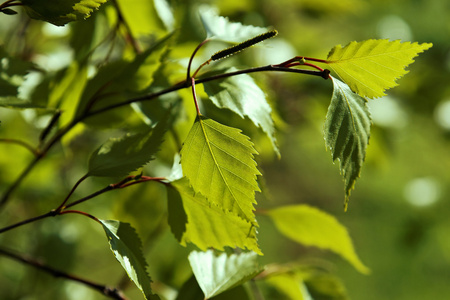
347	132
119	157
220	28
241	95
13	102
60	12
210	226
12	73
177	218
370	67
218	161
216	274
312	227
8	11
127	248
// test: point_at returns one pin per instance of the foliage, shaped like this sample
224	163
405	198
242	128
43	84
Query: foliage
128	77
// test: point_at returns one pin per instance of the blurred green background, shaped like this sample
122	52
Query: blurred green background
398	213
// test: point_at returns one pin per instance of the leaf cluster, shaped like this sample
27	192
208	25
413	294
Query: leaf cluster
137	91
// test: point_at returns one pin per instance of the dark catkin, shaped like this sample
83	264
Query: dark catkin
239	47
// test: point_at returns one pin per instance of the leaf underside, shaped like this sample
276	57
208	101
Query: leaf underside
370	67
220	28
312	227
127	248
218	161
242	95
347	132
216	274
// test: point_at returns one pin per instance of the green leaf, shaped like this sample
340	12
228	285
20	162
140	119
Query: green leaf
12	73
347	132
141	17
290	285
218	161
372	66
119	157
210	226
60	12
127	248
241	95
177	218
116	80
220	28
13	102
216	274
312	227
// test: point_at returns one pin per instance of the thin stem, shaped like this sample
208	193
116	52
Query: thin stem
191	59
110	292
49	214
195	96
21	143
71	192
80	213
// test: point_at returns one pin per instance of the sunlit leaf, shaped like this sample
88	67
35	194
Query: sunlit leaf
289	284
347	132
373	66
218	273
218	161
119	157
127	248
141	17
312	227
210	226
60	12
220	28
241	95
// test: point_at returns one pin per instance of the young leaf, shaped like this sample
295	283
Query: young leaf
60	12
243	96
347	132
312	227
216	274
373	66
118	157
220	28
208	225
127	248
218	161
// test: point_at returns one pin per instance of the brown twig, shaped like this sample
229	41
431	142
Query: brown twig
108	291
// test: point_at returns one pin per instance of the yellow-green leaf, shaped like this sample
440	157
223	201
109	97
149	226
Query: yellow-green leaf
60	12
312	227
207	225
370	67
218	161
